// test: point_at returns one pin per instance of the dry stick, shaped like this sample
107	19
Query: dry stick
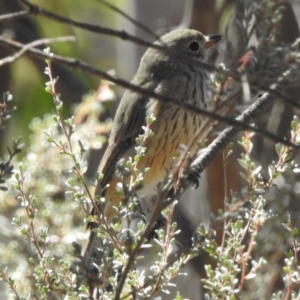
10	59
15	15
226	136
83	66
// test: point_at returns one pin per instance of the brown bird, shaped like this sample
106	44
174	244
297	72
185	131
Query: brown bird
166	73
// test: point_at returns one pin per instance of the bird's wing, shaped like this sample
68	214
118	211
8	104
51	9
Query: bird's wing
128	122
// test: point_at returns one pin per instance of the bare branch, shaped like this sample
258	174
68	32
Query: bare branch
26	47
214	149
14	15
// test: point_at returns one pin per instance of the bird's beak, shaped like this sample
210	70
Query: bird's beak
212	40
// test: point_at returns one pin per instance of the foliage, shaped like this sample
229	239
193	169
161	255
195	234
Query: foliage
258	256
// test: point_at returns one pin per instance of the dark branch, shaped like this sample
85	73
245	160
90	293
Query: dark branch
10	59
253	111
14	15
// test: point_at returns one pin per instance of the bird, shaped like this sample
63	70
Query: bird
174	73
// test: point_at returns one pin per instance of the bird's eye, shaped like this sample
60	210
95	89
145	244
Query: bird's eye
194	46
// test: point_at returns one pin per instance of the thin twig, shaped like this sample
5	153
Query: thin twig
245	259
175	257
29	211
14	15
25	48
247	116
136	250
